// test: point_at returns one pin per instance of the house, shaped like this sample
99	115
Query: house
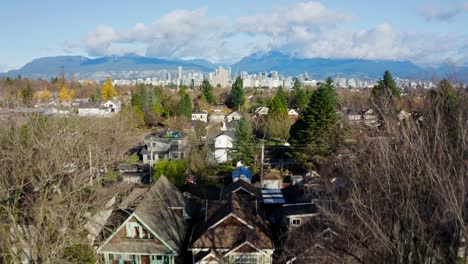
222	144
294	215
151	232
261	111
217	117
232	231
368	116
352	115
272	180
113	105
243	189
234	116
292	113
241	173
92	109
166	144
135	173
230	126
200	116
218	108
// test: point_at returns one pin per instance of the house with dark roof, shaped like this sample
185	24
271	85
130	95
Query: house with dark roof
164	145
151	230
232	231
243	189
234	116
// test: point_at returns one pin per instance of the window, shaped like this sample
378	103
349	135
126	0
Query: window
296	222
246	259
134	230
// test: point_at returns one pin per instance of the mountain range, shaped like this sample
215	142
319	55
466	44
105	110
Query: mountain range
133	66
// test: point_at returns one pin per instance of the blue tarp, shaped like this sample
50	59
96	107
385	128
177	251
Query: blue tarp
237	173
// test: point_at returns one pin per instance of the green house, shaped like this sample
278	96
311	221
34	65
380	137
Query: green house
151	233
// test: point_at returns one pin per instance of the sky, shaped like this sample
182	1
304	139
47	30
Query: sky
426	32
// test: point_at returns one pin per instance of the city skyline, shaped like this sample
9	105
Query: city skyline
427	33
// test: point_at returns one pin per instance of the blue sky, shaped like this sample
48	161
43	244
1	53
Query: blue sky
426	32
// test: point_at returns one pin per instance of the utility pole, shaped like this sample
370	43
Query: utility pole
90	167
151	168
261	165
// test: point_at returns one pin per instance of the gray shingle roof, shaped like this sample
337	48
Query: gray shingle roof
155	211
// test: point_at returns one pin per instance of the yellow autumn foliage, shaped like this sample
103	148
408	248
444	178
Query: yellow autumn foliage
108	90
66	95
44	95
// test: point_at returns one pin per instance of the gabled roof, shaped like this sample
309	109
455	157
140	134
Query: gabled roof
232	223
213	135
241	185
156	212
235	113
300	209
90	104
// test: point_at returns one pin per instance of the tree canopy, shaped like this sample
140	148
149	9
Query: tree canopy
386	95
207	91
244	143
315	127
185	106
237	98
108	90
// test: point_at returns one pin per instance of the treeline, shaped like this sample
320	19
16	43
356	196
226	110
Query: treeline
395	193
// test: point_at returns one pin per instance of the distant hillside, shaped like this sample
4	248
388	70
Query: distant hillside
130	66
134	66
321	68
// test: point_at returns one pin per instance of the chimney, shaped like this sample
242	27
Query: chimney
224	126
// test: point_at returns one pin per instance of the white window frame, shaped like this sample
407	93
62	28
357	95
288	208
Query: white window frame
246	258
299	220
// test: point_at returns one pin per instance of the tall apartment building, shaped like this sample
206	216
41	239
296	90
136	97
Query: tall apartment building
221	77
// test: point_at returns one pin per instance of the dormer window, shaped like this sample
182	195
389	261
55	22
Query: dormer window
134	230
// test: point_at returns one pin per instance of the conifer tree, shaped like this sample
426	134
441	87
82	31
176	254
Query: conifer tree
185	106
237	97
244	144
26	93
385	95
299	97
207	91
316	126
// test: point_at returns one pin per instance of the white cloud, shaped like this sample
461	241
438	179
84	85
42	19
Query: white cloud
307	29
181	33
443	13
281	19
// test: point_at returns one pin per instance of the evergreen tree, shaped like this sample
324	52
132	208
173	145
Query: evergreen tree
277	106
316	126
237	97
299	96
283	96
386	95
185	106
207	91
277	123
297	85
244	144
26	93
